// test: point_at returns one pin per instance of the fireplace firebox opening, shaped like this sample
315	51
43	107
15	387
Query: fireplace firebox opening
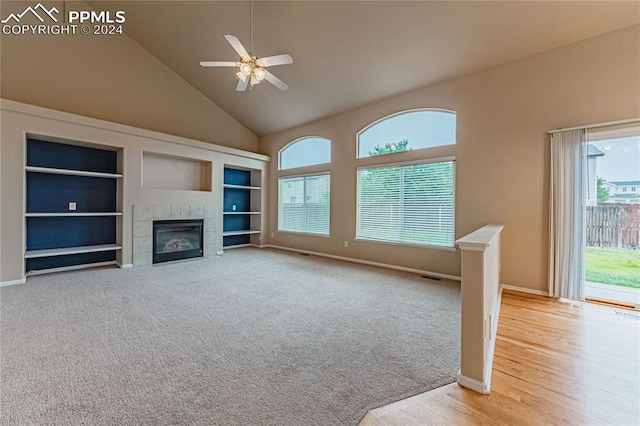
177	240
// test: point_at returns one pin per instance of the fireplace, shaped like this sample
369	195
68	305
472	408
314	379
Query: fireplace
177	239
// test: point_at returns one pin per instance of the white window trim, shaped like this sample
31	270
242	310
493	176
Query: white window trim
411	163
314	170
400	243
311	234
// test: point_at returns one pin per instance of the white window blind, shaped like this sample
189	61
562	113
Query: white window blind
304	204
408	203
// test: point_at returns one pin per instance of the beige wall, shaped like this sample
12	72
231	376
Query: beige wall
502	151
170	172
111	78
17	121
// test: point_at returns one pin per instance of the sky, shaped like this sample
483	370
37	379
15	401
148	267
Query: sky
422	129
304	152
621	160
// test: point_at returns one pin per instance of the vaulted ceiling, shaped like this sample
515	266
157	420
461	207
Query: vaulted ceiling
350	53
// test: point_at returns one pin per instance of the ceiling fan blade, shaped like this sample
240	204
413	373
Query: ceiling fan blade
275	81
242	85
217	64
237	46
271	61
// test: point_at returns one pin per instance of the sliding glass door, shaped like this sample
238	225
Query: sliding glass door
612	216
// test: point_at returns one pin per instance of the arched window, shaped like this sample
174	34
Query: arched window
304	152
408	130
304	195
411	202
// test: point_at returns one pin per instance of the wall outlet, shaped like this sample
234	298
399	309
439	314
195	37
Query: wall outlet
233	207
272	235
72	205
346	243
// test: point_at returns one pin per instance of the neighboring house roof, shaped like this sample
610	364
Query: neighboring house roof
625	195
594	152
626	183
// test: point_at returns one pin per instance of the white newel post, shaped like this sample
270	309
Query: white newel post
480	305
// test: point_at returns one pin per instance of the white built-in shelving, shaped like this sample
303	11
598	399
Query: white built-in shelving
240	232
31	254
72	214
241	187
71	172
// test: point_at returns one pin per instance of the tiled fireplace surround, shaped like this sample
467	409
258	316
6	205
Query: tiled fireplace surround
145	214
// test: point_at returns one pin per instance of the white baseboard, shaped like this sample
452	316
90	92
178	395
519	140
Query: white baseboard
125	265
524	290
367	262
474	385
14	282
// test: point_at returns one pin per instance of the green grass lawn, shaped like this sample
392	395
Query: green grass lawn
610	266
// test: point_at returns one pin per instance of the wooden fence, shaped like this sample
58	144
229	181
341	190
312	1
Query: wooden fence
613	225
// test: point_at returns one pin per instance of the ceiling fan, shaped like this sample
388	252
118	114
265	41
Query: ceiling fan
251	69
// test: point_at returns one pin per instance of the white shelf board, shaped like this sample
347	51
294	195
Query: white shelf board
237	246
71	268
226	185
29	254
71	172
232	213
243	232
73	214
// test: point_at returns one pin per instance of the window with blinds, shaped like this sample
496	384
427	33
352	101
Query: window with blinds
304	204
412	203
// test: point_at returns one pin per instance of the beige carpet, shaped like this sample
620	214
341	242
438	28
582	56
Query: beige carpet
256	337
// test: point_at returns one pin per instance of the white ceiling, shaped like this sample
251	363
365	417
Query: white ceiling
350	53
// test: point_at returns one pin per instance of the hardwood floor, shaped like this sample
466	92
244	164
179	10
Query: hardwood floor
555	363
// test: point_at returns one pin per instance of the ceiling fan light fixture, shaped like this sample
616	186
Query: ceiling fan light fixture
260	74
242	76
245	68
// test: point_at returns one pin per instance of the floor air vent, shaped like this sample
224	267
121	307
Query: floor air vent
633	315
